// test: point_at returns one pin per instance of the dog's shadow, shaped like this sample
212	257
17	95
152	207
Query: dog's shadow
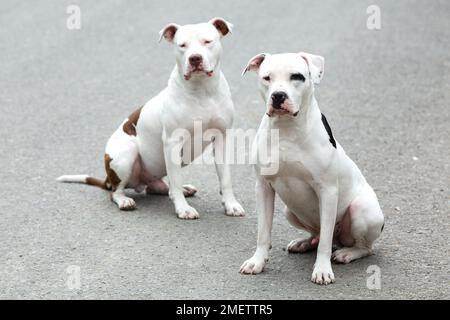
162	205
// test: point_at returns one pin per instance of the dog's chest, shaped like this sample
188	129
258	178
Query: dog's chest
283	156
293	183
208	113
290	170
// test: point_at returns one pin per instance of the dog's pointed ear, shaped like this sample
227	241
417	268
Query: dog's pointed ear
255	62
224	27
315	64
168	32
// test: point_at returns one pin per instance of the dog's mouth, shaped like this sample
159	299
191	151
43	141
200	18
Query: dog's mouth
198	71
281	111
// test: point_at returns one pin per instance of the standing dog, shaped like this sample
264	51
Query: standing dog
323	189
144	149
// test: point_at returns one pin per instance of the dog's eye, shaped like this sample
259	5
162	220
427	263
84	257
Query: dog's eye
297	77
183	45
207	41
266	78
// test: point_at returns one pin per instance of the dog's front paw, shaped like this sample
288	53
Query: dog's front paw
253	266
322	274
126	204
187	212
233	208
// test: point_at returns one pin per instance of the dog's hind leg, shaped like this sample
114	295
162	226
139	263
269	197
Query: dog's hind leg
303	244
122	169
161	187
365	223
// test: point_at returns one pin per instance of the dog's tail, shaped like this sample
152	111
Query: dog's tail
85	179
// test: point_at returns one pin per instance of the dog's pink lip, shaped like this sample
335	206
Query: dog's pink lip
281	112
188	75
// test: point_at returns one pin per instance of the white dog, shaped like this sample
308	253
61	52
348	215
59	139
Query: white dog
323	189
140	153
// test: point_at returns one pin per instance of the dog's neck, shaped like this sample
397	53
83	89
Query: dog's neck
195	84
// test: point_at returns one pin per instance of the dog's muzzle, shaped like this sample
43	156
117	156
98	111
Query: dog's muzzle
280	104
278	99
195	61
196	66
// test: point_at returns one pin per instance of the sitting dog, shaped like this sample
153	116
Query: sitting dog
144	150
324	191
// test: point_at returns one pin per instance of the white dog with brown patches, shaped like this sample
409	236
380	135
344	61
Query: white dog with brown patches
324	191
140	153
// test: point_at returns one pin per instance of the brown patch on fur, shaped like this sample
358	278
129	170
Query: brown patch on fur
97	183
111	177
129	127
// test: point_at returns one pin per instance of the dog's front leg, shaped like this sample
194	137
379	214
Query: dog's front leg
232	207
265	199
172	155
328	198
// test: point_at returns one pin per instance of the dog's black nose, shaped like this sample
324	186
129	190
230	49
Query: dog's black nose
195	60
278	98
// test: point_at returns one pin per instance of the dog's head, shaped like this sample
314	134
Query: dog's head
286	79
197	46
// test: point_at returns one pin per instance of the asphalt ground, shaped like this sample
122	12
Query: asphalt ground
63	92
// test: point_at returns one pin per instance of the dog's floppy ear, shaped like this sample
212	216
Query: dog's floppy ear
255	62
168	32
315	64
224	27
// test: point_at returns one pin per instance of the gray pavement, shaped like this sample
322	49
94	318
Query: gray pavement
62	93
